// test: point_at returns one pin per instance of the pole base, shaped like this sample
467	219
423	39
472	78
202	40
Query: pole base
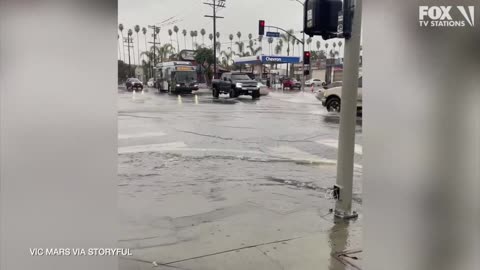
346	215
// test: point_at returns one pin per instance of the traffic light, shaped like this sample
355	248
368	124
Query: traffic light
306	58
321	18
261	27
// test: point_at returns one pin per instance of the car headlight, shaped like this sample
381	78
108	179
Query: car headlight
195	85
238	85
178	85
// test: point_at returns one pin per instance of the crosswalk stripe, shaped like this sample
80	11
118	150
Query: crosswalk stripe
140	135
334	144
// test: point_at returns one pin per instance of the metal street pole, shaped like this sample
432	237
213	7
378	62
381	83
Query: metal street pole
346	143
214	39
303	63
303	50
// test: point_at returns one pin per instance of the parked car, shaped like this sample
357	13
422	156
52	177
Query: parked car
331	98
314	82
326	85
291	84
151	83
133	84
235	84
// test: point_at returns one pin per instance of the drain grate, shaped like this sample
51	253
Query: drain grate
352	258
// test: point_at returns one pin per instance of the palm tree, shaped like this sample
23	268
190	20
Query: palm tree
239	35
250	36
170	33
157	32
175	29
210	36
270	41
196	35
129	34
309	42
166	51
230	37
119	52
288	37
253	51
240	46
203	33
340	43
218	36
192	35
184	32
137	30
326	46
120	27
260	39
144	32
318	45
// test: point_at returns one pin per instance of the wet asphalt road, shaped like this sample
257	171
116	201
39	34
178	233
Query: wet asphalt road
199	176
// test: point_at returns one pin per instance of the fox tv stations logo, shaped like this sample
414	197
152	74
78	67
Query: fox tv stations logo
446	16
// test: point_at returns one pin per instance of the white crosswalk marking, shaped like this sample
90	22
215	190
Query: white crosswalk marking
302	156
334	144
140	135
151	148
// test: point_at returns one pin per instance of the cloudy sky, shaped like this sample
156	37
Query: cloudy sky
240	15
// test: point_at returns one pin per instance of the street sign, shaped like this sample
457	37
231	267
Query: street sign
273	34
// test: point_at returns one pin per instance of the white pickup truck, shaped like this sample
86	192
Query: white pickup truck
331	98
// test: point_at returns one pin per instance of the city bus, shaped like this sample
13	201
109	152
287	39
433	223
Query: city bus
176	77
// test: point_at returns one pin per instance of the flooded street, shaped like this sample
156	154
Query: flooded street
231	183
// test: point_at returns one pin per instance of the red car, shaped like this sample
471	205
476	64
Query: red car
291	84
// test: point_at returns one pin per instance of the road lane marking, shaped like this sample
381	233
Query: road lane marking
295	154
151	148
140	135
334	144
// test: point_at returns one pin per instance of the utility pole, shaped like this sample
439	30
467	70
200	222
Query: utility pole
154	35
348	112
215	4
129	45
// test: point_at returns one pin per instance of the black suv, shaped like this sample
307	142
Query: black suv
134	84
235	84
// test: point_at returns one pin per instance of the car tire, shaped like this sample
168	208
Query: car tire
333	104
233	93
256	95
215	93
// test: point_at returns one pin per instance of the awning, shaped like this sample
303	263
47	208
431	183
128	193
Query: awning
267	59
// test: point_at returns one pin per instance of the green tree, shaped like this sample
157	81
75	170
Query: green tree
239	35
204	57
